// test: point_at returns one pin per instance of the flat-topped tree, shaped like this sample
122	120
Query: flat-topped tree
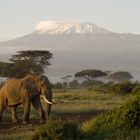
90	74
27	62
121	76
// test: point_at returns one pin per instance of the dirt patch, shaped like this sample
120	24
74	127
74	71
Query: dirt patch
7	127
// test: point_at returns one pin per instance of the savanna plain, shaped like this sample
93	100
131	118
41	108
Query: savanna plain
87	114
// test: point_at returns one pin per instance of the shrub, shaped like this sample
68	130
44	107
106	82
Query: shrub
88	83
128	115
57	130
124	87
114	134
74	84
136	90
102	88
57	86
115	88
120	123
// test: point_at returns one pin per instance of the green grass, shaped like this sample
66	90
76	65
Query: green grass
120	123
114	134
84	100
78	102
17	133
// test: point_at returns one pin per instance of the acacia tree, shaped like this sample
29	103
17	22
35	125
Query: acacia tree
90	74
26	62
121	76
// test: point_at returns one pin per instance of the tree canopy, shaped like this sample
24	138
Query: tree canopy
6	69
26	62
90	74
121	76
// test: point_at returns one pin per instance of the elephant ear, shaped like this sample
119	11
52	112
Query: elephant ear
47	82
30	87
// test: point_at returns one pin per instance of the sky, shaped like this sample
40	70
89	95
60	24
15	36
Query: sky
19	17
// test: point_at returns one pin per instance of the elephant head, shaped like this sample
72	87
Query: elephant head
38	85
44	88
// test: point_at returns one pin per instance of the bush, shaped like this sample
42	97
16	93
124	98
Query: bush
102	88
128	115
120	123
114	134
74	84
116	88
124	87
57	130
136	90
57	86
88	83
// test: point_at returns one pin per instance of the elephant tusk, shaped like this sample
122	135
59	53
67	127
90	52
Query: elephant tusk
47	100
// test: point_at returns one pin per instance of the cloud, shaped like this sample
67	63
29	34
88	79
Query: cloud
44	25
41	25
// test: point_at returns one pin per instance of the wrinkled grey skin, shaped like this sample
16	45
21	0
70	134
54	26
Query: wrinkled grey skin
26	91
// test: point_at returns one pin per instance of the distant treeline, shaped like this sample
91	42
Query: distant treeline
93	78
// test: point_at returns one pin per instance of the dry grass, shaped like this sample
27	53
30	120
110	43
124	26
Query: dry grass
84	101
68	102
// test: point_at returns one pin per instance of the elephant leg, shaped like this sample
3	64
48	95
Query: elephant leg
14	114
26	106
37	105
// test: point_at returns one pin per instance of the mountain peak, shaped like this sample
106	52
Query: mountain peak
68	27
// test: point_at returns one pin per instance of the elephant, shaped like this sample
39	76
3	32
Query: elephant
26	91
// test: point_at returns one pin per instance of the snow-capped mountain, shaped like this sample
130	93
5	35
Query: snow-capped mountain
79	45
74	27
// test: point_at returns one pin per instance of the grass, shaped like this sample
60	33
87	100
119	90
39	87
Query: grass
114	134
84	101
69	104
17	133
120	123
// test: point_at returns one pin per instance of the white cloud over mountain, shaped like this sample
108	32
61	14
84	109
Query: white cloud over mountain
66	27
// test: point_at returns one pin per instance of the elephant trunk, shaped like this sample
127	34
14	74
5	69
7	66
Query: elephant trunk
47	95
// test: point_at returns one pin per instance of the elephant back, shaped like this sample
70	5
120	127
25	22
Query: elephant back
11	90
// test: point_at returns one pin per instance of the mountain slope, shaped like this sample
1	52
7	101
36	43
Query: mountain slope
79	45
